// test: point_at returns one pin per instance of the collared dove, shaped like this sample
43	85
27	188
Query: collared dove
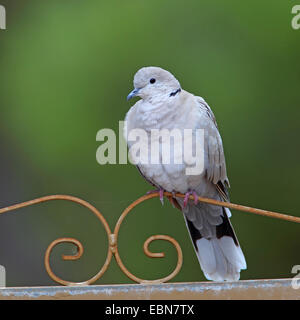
164	105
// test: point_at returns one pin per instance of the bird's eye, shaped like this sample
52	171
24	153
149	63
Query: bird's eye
152	80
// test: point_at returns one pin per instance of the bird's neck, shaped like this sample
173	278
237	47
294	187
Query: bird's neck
159	111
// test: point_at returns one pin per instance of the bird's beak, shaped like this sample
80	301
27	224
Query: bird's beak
133	93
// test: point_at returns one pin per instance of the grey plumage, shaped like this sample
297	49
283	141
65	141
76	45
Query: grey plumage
165	105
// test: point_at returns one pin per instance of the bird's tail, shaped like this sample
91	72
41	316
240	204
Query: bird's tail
216	245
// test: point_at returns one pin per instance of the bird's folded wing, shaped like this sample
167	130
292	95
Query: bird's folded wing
216	166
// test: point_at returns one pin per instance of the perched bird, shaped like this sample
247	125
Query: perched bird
165	105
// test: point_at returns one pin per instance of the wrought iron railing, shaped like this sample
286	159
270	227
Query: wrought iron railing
113	236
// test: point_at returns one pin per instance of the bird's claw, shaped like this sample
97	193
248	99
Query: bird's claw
161	194
187	196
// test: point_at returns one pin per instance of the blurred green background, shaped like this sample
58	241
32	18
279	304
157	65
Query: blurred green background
66	68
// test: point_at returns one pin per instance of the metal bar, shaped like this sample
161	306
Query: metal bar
241	290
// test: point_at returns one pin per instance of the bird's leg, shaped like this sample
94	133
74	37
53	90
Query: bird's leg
187	195
196	200
161	194
186	198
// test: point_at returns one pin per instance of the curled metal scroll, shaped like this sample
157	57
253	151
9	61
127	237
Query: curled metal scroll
78	245
112	242
146	247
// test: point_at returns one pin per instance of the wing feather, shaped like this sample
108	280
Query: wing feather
216	165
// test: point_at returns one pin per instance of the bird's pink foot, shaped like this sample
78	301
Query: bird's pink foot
187	196
161	194
196	200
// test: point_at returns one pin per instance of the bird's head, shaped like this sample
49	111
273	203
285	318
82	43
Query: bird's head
154	82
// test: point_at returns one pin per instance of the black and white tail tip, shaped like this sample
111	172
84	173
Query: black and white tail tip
220	257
